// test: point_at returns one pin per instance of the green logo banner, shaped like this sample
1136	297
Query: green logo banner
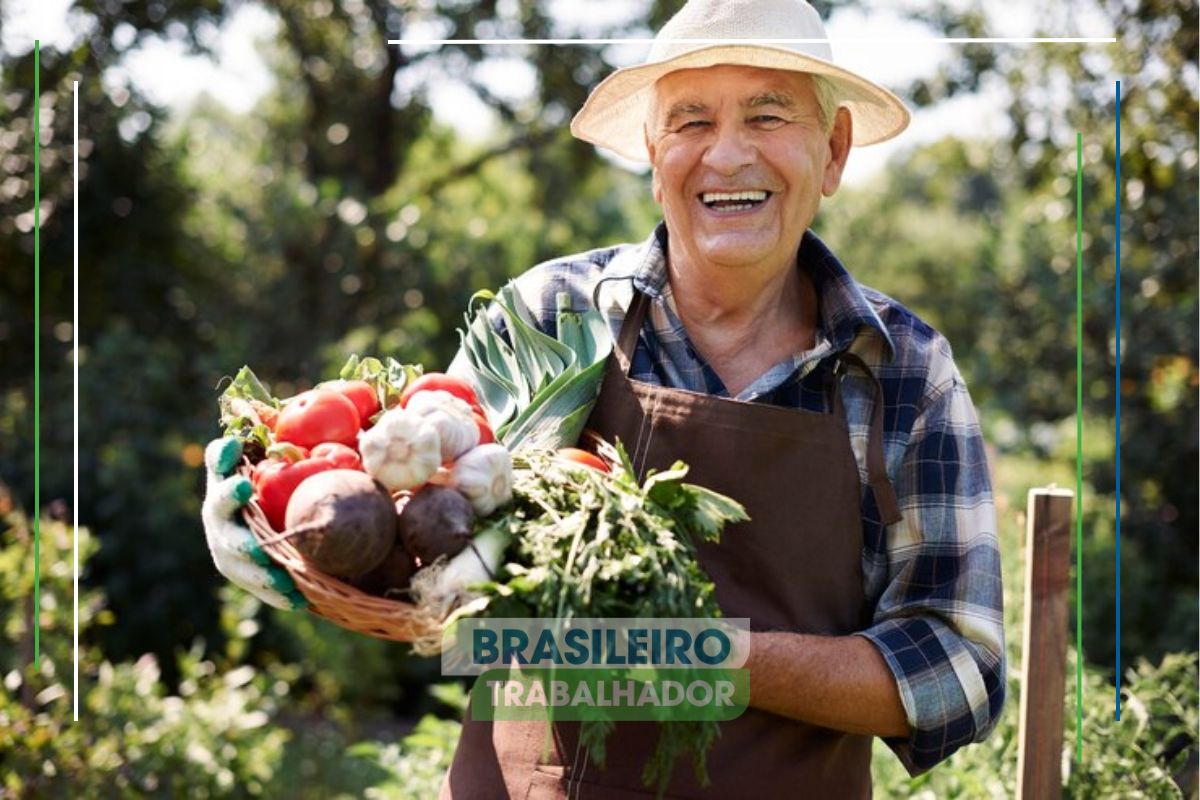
640	694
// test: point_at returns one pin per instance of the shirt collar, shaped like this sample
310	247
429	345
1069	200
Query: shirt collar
844	307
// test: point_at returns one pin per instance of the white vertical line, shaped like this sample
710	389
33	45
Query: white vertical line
75	390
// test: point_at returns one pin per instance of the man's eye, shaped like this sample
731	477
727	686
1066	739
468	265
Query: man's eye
769	120
694	123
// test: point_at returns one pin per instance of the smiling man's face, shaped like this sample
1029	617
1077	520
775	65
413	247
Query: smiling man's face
741	161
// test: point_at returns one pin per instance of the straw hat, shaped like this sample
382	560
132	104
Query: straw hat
699	36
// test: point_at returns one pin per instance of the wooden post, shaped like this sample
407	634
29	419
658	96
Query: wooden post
1044	643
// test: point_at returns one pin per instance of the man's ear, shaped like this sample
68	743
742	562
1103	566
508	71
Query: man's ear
654	182
840	138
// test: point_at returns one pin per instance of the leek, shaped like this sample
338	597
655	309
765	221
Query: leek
537	390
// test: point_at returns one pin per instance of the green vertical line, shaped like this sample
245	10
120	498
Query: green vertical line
1079	446
37	352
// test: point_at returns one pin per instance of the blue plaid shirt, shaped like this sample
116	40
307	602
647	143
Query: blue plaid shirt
934	577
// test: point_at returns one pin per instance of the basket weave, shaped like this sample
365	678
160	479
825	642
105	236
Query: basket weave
342	604
336	600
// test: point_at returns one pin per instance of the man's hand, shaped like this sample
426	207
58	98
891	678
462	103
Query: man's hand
839	682
234	549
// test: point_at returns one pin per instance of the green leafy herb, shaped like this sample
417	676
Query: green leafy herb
601	545
388	376
244	403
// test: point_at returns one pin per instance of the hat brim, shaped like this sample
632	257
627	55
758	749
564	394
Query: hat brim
615	111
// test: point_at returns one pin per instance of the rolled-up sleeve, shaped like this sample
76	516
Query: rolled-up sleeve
939	622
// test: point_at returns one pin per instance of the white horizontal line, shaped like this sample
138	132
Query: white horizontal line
882	40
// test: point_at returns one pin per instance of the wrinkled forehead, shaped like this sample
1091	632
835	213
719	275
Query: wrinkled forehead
722	84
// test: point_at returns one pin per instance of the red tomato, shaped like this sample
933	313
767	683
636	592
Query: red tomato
276	477
362	394
434	381
485	431
274	480
320	415
339	455
582	457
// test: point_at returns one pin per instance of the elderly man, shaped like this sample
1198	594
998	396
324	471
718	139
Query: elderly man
869	570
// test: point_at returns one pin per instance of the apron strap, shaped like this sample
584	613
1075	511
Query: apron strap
881	487
631	328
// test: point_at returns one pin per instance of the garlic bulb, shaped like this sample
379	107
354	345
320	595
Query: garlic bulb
401	450
484	475
452	416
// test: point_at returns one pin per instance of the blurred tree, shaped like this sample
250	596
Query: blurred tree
141	338
339	216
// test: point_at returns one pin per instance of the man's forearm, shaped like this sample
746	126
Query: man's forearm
839	682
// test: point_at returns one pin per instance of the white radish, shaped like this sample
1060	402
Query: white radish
443	586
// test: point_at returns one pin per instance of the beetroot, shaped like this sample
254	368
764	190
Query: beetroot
437	521
391	577
343	521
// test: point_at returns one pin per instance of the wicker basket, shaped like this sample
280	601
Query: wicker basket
355	610
338	601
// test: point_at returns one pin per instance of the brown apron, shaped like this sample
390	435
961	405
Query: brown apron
795	566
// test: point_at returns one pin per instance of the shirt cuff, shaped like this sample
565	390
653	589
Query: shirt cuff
944	694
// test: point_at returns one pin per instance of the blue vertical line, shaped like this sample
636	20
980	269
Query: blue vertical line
1118	465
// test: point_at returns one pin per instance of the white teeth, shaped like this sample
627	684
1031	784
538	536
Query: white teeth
753	196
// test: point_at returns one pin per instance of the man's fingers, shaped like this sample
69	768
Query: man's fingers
221	456
235	551
226	497
239	558
272	585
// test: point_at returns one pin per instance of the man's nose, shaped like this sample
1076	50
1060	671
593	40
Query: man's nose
729	150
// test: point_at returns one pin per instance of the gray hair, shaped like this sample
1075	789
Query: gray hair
823	88
827	100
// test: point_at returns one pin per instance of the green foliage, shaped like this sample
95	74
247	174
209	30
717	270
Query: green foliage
230	729
1145	755
416	765
1151	753
334	218
979	239
340	670
133	738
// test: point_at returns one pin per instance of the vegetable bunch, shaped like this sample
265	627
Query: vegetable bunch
599	544
373	476
585	543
